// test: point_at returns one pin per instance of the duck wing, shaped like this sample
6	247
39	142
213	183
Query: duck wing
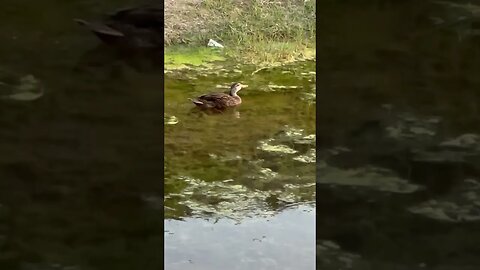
217	100
215	96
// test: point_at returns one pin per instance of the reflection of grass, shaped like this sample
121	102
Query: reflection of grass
261	31
178	57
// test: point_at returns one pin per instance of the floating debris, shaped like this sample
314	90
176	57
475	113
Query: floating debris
293	132
213	43
27	88
474	9
222	199
170	120
230	198
463	149
309	157
368	177
226	157
267	172
338	150
308	73
274	86
331	256
469	141
408	127
309	97
280	148
309	139
462	205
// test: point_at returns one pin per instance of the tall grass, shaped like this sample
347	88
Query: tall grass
260	31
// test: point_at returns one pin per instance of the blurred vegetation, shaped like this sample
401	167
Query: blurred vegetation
259	31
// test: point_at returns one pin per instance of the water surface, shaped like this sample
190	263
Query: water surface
398	135
240	186
254	243
79	165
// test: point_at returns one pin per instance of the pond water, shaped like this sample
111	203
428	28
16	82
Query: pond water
240	186
253	243
398	147
79	166
82	154
398	135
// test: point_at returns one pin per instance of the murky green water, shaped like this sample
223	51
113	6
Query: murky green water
398	135
79	166
234	177
398	141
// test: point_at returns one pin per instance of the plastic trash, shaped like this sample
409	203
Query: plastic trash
213	43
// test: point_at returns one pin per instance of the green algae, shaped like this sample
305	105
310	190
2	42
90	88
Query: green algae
202	58
180	57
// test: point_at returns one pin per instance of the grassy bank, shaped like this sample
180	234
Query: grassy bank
255	31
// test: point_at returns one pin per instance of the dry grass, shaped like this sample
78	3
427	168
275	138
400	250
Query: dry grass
181	17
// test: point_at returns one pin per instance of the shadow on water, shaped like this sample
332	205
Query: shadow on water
397	175
79	166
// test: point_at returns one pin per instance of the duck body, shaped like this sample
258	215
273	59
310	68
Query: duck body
140	27
219	101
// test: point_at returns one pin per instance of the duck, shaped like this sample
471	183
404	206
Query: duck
220	101
134	27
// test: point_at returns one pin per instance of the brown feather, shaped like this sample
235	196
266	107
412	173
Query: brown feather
217	101
220	101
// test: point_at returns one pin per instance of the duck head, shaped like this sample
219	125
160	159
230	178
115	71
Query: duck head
235	88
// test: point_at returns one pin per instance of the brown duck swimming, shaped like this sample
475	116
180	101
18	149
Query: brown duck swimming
220	101
137	28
